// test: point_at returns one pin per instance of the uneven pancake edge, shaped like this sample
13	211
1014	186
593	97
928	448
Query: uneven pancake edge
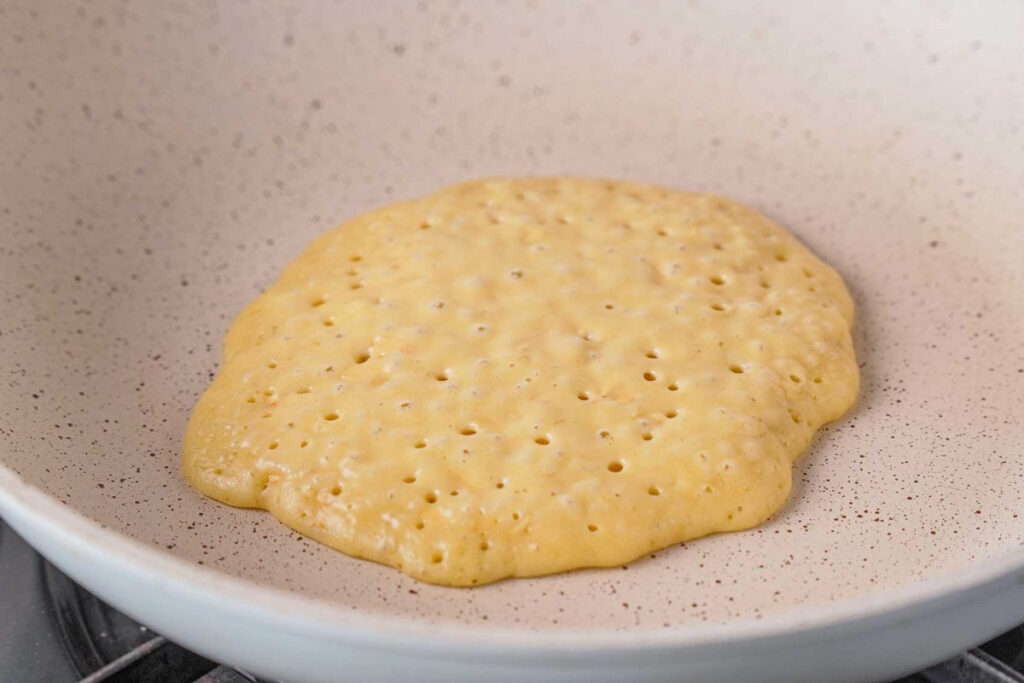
521	377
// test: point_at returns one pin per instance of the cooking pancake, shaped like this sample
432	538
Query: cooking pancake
520	377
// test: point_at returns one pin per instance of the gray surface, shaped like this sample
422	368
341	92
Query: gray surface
976	666
30	649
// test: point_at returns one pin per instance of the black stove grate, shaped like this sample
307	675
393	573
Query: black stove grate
105	646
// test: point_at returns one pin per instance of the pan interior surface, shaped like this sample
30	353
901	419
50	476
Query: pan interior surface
162	165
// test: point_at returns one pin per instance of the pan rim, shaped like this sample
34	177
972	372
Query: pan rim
308	616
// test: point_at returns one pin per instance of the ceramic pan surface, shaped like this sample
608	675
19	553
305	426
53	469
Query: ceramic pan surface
161	163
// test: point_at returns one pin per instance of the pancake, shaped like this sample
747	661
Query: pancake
512	378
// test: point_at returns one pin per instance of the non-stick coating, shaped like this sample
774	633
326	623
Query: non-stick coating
161	162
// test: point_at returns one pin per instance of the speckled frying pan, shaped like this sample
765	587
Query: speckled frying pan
160	162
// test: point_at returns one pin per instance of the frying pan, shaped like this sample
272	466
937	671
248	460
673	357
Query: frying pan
162	161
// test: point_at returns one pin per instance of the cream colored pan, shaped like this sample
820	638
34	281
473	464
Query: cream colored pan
160	162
